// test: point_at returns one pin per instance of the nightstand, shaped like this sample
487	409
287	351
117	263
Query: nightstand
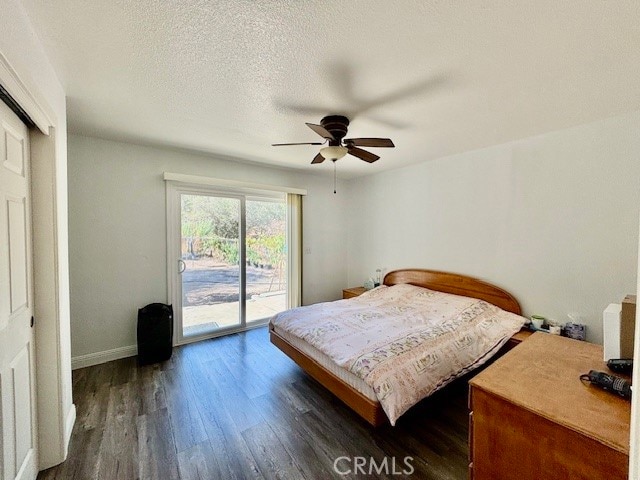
353	292
517	339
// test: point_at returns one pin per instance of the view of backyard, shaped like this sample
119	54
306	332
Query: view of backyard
211	251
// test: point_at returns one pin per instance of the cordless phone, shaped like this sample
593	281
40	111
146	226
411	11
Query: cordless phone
611	383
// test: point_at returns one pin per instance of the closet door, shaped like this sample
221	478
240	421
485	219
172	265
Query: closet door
18	458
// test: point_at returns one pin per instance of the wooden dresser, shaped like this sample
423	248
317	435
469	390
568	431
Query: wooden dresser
532	418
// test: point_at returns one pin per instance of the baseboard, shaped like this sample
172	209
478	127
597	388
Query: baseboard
97	358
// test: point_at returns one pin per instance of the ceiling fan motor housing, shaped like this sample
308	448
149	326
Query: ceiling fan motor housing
336	125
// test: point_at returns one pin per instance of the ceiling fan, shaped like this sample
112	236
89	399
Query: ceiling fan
333	129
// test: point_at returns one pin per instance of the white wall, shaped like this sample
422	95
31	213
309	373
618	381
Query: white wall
22	49
552	219
118	240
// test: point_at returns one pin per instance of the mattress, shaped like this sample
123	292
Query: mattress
398	344
328	364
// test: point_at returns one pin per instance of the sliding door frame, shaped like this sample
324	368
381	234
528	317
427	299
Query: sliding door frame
174	192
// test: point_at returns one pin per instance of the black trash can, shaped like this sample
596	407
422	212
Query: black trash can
155	333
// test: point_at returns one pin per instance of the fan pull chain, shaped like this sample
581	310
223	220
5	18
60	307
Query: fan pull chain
334	176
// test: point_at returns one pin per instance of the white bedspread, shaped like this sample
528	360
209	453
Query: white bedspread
404	341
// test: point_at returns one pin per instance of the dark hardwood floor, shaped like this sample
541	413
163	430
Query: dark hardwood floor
238	408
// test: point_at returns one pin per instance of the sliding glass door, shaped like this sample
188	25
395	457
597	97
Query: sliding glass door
266	258
230	270
209	264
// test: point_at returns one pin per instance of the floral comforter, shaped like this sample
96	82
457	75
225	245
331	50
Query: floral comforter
404	341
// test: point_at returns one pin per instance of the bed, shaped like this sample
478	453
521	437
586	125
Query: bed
298	333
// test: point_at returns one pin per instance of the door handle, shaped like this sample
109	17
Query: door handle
181	266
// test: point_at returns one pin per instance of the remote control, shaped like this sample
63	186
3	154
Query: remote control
621	365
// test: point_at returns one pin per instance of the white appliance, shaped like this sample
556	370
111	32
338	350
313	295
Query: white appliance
611	320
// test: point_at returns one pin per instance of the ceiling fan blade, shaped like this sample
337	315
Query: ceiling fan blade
318	159
369	142
320	130
430	84
363	154
306	143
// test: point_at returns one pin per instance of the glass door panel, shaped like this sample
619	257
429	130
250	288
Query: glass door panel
266	258
210	263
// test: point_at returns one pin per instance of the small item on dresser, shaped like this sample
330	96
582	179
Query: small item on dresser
621	365
555	329
627	326
378	276
537	321
611	330
577	331
368	284
618	322
610	383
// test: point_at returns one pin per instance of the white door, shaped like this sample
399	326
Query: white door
18	455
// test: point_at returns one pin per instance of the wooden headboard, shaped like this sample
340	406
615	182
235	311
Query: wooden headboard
456	284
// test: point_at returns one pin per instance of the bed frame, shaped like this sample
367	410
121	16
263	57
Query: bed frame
446	282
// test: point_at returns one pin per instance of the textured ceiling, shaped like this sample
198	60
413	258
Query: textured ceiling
438	77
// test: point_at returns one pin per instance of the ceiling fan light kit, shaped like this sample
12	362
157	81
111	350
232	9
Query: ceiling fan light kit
334	152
